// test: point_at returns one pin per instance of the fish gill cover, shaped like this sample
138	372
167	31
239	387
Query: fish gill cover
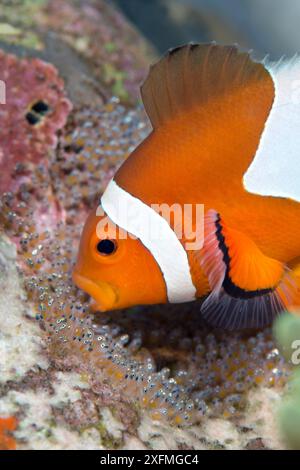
55	161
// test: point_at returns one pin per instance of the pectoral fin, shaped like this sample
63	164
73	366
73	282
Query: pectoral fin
248	288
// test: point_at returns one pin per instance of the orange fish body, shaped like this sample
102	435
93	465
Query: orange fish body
214	112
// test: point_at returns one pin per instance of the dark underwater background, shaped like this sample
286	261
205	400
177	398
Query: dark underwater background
267	26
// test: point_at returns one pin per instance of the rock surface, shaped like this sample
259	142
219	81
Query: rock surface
56	393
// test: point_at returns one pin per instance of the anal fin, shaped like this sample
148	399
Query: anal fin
248	288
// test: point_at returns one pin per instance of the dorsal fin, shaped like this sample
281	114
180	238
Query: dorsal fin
190	75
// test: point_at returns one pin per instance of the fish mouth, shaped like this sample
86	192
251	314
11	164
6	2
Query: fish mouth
103	293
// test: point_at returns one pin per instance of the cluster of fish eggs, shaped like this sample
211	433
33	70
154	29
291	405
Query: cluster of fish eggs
93	146
189	372
213	370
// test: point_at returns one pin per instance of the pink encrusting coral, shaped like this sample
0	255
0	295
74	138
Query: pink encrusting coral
36	108
190	372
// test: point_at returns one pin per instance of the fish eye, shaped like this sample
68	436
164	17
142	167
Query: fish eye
106	247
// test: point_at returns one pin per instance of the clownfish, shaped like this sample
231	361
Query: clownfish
226	136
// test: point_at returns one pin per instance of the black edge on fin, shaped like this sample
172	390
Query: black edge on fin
228	306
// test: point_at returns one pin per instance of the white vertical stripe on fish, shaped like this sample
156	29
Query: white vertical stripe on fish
275	169
137	218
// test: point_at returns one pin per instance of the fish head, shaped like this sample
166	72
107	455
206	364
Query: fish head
115	268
